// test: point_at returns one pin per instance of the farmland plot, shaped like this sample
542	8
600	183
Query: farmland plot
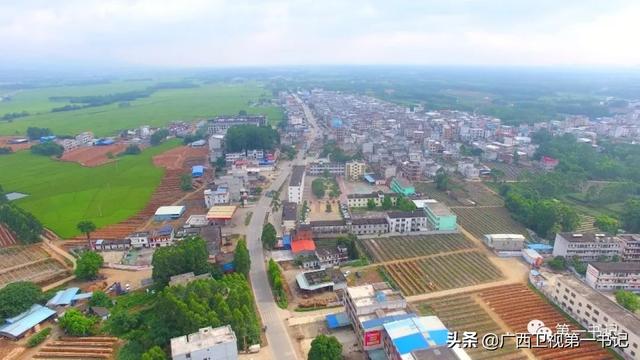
442	272
28	263
404	247
494	220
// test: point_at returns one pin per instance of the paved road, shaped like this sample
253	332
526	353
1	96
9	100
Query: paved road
280	345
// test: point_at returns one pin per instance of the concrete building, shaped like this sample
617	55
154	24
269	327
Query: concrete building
329	226
221	124
85	138
207	344
369	226
318	168
139	239
587	246
589	307
218	196
504	242
168	213
407	221
610	276
354	170
440	217
289	215
296	184
369	307
402	186
361	200
321	280
69	144
630	247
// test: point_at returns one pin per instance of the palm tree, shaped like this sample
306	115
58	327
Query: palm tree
86	227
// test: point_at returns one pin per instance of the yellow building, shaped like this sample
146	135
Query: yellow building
354	170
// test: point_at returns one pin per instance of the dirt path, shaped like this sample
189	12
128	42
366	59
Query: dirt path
397	261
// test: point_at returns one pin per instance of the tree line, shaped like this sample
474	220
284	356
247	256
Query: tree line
277	284
247	137
26	227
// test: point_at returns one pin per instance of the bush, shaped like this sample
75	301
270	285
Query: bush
132	149
48	149
38	338
88	265
185	182
74	323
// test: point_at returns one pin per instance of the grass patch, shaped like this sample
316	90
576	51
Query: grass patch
63	193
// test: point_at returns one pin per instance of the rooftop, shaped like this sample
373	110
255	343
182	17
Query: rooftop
319	279
405	214
439	209
297	172
368	221
417	333
618	267
204	338
170	210
289	210
370	294
589	237
18	325
327	223
220	212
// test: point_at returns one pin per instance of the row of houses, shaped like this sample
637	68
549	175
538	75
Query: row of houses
596	246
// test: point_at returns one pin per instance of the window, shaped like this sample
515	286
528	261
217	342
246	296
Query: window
596	312
589	306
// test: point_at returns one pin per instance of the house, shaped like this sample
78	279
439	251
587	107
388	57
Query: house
329	257
221	124
361	200
587	246
548	163
216	197
68	297
168	213
208	343
302	242
315	281
111	244
221	213
369	226
26	322
289	215
504	242
139	239
99	311
197	171
161	237
319	167
329	226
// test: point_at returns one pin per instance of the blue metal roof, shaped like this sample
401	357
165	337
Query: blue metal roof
197	168
540	247
409	343
20	324
63	297
286	239
383	320
83	296
369	178
338	320
439	336
165	230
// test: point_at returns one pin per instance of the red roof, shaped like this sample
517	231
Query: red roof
302	245
549	160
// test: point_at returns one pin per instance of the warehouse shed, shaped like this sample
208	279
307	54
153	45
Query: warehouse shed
197	171
17	326
168	213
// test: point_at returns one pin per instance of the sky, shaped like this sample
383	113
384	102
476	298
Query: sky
221	33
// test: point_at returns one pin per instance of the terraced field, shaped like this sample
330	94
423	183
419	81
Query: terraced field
491	220
442	272
28	263
586	224
404	247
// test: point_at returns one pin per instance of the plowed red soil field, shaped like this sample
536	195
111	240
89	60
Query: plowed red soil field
7	237
181	157
93	155
4	142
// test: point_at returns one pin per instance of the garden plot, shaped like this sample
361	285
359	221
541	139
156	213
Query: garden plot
494	220
404	247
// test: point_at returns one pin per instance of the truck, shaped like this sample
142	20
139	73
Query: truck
532	257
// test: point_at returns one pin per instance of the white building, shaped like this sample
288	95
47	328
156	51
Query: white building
296	184
589	307
69	144
587	246
85	138
207	344
469	171
139	239
614	276
216	197
407	221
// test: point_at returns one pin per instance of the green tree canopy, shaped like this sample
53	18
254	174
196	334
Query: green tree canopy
386	203
159	136
189	255
35	133
558	263
371	204
74	323
631	215
100	298
628	300
325	347
241	258
607	224
155	353
318	188
48	149
442	180
18	297
88	265
247	137
269	236
86	227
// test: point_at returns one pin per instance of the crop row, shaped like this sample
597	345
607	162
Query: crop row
442	272
39	272
405	247
481	221
18	255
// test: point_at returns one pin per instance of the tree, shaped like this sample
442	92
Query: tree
132	149
246	137
35	133
371	204
628	300
18	297
405	204
318	188
327	207
188	255
86	227
159	136
48	149
241	258
100	298
88	265
558	263
325	347
386	203
496	174
185	182
631	215
268	236
607	224
74	323
155	353
442	180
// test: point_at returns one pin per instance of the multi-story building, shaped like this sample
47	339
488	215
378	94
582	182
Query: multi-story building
412	170
587	246
69	144
504	242
208	343
221	124
161	237
85	138
614	276
361	200
407	221
354	170
329	226
296	184
216	197
369	307
329	257
402	186
590	307
369	226
139	239
440	217
630	247
319	167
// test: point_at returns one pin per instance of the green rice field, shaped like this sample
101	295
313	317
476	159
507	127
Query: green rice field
160	108
63	193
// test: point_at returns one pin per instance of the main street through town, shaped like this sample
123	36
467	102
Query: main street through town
280	344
